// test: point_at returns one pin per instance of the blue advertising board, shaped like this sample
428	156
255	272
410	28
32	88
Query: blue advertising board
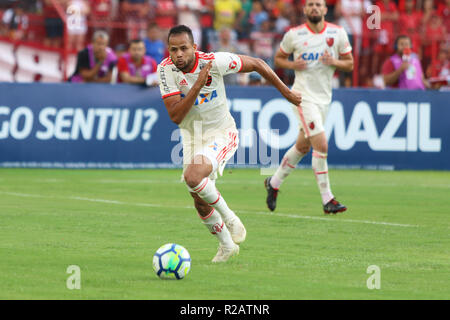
124	126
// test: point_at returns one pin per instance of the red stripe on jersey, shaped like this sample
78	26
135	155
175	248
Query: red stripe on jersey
166	61
344	54
196	63
170	94
227	149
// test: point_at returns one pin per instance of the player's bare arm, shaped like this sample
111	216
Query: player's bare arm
178	107
250	64
282	61
344	63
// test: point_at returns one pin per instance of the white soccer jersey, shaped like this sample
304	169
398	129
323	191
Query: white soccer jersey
314	83
211	107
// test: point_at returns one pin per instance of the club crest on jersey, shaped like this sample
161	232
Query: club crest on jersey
208	81
232	65
311	125
330	41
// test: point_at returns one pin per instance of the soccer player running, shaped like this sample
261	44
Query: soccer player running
319	48
193	91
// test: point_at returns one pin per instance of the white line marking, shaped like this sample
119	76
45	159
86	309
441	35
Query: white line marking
115	202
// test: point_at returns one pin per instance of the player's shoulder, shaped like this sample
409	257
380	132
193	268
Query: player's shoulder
297	28
165	62
334	26
206	55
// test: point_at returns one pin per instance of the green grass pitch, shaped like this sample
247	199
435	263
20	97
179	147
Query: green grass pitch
110	222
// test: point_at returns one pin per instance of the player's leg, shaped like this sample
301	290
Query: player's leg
290	160
204	192
320	167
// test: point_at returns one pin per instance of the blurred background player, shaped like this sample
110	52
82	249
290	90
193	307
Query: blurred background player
193	91
319	48
96	62
135	67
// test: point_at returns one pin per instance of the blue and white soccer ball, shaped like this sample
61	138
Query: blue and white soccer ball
172	261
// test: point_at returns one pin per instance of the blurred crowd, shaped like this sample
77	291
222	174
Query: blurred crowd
253	27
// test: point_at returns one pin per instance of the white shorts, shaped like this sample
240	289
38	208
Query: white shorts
311	117
217	148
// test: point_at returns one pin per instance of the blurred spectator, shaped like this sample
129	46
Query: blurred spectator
350	14
226	43
77	12
54	26
101	11
207	23
228	14
444	13
403	70
96	62
136	14
254	79
409	20
135	67
189	15
244	27
166	14
120	49
438	73
433	32
385	35
154	46
15	22
284	20
263	43
258	15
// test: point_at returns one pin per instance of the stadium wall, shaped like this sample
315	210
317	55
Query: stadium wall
123	126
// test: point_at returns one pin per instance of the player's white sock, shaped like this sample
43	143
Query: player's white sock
320	167
208	192
288	163
217	227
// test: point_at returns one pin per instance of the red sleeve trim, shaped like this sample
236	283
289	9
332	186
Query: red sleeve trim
171	94
284	52
344	54
242	64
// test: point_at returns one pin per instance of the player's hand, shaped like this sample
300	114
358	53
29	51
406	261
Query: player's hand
300	64
203	75
404	66
100	56
327	59
294	97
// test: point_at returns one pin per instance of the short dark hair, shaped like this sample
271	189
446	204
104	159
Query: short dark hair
134	41
180	29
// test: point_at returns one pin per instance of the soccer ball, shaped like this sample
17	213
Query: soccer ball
172	261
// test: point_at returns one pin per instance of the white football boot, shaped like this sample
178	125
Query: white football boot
225	253
237	229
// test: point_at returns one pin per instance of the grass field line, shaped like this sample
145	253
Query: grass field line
237	181
152	205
